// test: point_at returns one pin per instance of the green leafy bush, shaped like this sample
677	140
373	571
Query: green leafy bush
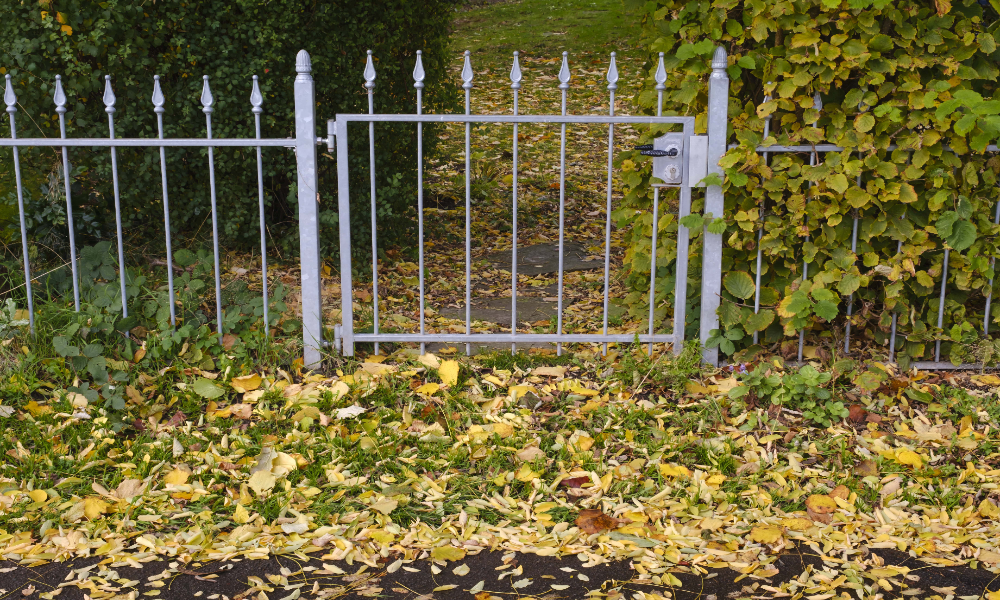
180	41
920	75
805	390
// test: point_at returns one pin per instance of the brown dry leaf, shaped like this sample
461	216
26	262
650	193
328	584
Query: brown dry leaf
530	453
841	491
128	489
594	521
240	411
866	468
228	341
857	413
891	487
575	482
819	507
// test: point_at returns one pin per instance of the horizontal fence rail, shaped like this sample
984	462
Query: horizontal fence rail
112	142
346	337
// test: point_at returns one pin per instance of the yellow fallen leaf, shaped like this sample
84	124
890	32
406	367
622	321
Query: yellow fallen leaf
986	379
797	524
37	409
262	481
38	495
765	534
428	389
247	383
909	457
525	474
240	515
673	470
558	372
711	523
385	506
988	509
993	595
176	477
503	430
447	552
696	388
94	507
448	371
429	360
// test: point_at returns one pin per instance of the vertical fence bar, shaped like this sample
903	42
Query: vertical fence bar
661	78
158	102
813	159
60	100
308	197
612	86
760	231
681	266
564	77
206	102
850	299
418	82
895	317
515	84
989	296
944	287
467	86
711	262
10	99
257	102
370	86
344	210
109	103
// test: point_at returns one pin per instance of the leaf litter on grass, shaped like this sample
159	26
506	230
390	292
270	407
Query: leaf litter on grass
591	469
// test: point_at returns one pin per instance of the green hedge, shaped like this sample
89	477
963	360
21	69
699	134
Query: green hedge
913	73
230	41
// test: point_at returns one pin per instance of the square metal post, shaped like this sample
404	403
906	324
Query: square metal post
711	262
308	186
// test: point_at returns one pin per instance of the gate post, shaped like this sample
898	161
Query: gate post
308	197
711	262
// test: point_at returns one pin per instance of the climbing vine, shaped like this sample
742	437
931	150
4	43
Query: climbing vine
906	88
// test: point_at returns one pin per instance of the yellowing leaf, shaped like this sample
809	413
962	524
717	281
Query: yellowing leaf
94	507
447	552
910	458
988	509
503	430
765	534
262	481
247	383
428	389
385	506
448	371
38	495
176	477
797	524
37	409
240	515
525	474
67	29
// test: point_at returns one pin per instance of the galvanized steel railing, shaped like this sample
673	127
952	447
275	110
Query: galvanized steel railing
345	335
111	142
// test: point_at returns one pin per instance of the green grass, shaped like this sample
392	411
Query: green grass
547	27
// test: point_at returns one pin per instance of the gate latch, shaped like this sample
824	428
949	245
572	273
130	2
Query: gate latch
668	163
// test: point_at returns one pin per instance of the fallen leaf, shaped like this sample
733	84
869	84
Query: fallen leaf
261	482
38	495
891	487
385	506
94	507
558	372
428	389
857	413
447	553
594	521
429	360
129	488
575	482
766	534
349	412
841	491
819	507
461	570
866	468
247	383
448	371
176	477
240	515
206	388
530	453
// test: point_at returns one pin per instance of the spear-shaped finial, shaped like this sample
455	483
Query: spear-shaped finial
418	72
564	74
370	72
109	96
158	99
60	96
661	75
256	98
206	97
8	96
515	73
613	74
467	71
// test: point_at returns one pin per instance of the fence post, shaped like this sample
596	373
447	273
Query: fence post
711	263
308	186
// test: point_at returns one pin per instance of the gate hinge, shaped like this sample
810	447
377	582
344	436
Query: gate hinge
331	133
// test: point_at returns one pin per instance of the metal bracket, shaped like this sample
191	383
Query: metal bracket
331	135
668	159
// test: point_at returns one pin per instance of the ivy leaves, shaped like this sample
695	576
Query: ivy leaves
955	227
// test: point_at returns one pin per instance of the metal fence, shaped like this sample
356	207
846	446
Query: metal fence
112	143
681	160
814	152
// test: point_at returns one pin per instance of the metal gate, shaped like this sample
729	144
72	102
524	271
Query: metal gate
680	159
